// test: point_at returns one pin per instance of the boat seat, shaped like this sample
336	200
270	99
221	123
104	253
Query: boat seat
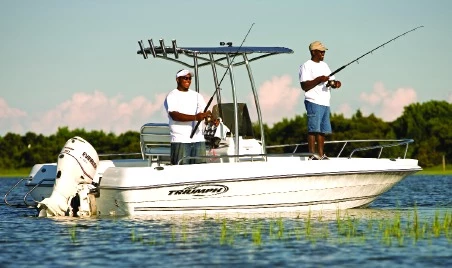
155	142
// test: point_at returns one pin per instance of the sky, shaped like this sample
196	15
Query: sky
74	63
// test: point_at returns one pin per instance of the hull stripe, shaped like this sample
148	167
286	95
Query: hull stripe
257	206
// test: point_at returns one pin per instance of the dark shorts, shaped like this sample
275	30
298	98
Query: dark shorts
181	150
318	118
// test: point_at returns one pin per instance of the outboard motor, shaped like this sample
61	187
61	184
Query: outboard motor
76	168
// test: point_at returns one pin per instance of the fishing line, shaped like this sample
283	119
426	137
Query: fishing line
218	87
343	67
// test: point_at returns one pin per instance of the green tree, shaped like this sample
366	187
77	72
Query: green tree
12	151
430	125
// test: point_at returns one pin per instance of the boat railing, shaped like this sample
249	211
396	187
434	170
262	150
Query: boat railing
159	152
25	202
384	143
242	157
5	198
119	155
32	189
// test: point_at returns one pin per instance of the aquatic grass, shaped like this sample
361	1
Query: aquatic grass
152	241
224	232
276	229
256	235
297	232
280	224
73	233
135	237
308	224
173	233
229	232
436	227
271	231
184	232
394	228
132	235
349	229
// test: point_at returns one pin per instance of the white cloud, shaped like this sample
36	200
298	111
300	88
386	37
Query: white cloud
344	109
11	119
94	111
277	99
97	111
449	99
386	104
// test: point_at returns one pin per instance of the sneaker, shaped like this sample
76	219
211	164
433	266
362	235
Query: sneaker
324	157
314	157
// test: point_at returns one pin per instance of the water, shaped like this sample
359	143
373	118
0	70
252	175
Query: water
359	238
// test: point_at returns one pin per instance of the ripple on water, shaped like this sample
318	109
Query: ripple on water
279	240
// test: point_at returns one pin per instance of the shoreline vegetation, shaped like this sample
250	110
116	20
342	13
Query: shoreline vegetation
428	124
23	172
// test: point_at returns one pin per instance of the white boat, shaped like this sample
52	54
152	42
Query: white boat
239	176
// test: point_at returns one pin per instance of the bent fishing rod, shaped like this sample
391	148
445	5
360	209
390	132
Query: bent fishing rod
218	87
343	67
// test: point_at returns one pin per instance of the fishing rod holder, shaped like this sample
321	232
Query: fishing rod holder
162	49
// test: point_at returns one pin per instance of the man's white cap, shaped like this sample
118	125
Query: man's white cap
184	72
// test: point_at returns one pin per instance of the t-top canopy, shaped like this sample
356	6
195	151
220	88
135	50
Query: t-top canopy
219	50
162	51
236	114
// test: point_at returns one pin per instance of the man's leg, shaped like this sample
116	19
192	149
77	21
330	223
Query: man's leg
311	141
313	125
320	137
325	128
178	151
198	149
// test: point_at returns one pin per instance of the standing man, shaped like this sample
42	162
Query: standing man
316	82
185	107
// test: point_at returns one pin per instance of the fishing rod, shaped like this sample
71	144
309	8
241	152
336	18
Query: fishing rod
218	87
343	67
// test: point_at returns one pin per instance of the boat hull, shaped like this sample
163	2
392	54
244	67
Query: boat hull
232	189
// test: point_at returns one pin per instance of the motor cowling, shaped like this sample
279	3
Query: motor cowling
76	168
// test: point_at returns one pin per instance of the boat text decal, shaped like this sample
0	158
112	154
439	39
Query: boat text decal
201	190
90	159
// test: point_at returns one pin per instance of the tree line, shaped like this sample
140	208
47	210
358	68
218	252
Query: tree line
429	124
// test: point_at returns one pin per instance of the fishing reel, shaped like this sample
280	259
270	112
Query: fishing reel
331	83
215	131
209	132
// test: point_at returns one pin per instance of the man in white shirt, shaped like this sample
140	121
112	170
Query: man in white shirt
185	107
316	82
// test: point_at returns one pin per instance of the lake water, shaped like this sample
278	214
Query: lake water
408	226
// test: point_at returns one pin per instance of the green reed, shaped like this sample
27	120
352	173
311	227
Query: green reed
387	227
224	232
73	233
308	224
257	235
280	224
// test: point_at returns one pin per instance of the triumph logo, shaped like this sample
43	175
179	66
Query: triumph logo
201	190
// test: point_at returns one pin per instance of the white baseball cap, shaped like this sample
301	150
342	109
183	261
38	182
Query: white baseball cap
184	72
